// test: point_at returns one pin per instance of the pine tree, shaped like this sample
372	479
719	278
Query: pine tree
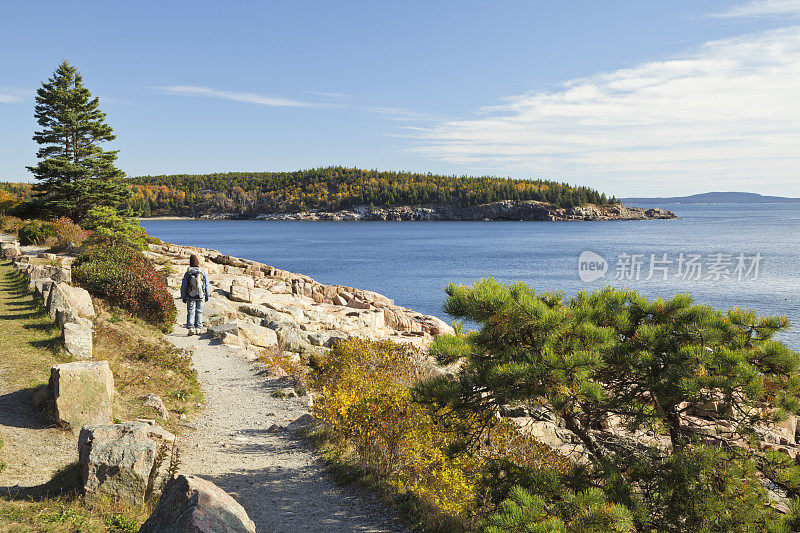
74	173
616	354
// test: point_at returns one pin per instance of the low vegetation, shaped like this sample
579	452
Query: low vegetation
125	276
442	442
378	433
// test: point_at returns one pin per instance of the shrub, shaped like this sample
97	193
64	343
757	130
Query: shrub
125	277
110	227
366	402
8	201
67	233
36	232
10	224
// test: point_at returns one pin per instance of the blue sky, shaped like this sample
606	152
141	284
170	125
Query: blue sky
634	98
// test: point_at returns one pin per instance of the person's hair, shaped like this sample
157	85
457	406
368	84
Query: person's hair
194	260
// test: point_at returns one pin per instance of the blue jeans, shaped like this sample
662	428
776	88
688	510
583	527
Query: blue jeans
194	312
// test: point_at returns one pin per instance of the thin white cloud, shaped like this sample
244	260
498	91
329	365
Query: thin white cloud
250	98
763	8
9	95
726	114
386	112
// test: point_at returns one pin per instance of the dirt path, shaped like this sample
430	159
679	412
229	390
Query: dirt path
242	444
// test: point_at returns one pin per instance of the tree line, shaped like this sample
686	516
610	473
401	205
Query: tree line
335	188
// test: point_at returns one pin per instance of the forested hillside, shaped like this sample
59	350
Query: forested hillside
327	189
335	188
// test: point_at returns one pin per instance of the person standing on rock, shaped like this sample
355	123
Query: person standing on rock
194	293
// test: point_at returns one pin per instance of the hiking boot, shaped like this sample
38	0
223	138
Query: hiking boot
191	332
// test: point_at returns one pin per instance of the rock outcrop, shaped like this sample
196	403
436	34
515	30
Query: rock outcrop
192	504
528	210
256	306
81	393
118	460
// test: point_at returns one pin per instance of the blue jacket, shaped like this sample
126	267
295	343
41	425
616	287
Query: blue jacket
185	283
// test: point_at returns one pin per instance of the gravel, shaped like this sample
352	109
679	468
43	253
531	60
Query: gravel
242	444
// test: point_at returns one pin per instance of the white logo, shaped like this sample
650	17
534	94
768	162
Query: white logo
591	266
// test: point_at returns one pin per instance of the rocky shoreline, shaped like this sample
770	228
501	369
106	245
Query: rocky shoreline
257	306
508	210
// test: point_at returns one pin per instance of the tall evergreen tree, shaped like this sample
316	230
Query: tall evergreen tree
74	172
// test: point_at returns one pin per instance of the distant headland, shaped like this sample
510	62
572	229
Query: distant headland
717	198
341	193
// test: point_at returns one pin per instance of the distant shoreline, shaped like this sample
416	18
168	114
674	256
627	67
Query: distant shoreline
508	210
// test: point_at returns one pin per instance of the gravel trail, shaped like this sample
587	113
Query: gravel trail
243	445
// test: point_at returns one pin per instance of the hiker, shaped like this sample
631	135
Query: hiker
194	293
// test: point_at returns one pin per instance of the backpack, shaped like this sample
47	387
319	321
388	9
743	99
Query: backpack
196	287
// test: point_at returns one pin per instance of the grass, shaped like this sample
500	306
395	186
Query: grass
141	361
30	340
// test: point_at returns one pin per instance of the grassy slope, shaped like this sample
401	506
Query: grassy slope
141	362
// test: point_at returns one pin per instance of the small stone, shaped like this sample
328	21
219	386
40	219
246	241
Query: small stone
155	401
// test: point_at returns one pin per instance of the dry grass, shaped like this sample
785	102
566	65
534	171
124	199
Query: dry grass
141	361
58	507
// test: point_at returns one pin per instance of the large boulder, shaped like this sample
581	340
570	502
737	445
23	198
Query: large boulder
54	272
192	504
81	393
9	250
240	292
290	336
64	296
256	335
77	340
117	460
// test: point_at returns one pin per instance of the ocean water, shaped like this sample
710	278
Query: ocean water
745	255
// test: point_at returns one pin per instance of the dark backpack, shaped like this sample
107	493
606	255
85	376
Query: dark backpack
196	286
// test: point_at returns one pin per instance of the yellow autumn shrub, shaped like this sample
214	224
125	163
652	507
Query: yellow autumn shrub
364	399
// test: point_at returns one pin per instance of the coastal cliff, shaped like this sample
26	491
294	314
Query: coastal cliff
528	210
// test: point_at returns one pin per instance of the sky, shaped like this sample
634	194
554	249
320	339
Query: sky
633	98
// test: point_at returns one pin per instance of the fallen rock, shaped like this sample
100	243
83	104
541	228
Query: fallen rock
155	401
117	459
67	316
192	504
81	393
56	273
303	424
77	340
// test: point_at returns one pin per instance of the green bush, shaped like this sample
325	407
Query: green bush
110	227
126	278
36	232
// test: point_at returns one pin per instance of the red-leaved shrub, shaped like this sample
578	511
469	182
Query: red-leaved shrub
126	278
67	232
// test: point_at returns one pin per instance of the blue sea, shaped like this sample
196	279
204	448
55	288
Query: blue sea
726	255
